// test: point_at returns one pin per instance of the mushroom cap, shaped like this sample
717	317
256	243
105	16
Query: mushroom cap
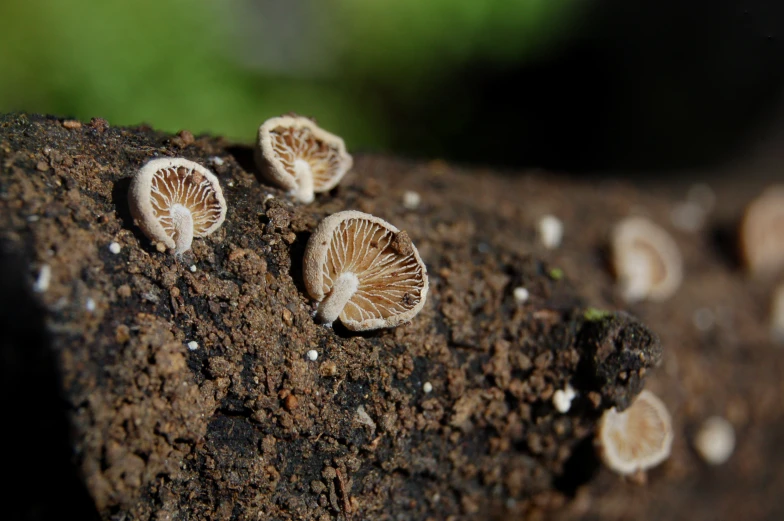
285	139
164	182
762	233
393	280
638	438
646	260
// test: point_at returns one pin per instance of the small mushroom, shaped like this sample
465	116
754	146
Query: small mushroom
297	155
636	439
174	200
762	233
363	270
646	260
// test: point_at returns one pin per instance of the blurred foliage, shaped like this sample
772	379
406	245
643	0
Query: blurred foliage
179	63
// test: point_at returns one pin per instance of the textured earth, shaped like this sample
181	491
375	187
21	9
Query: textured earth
117	415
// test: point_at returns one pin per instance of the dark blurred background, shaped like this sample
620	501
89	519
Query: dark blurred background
580	85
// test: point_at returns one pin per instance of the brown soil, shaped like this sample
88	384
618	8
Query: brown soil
246	427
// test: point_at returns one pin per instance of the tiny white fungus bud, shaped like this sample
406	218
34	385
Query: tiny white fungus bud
312	355
715	441
562	399
193	268
217	160
193	345
550	231
427	387
411	200
44	278
89	304
115	248
521	295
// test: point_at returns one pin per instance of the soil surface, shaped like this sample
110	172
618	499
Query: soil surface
105	382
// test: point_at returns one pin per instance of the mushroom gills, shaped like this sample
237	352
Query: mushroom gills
182	220
342	290
304	176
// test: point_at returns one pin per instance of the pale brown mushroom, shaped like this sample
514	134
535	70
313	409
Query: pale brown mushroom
646	260
363	270
762	233
296	154
636	439
174	200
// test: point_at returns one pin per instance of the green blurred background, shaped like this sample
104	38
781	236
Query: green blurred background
223	67
574	84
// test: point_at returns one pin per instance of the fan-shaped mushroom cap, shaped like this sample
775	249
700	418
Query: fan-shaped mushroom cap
365	271
638	438
762	233
173	200
299	156
646	260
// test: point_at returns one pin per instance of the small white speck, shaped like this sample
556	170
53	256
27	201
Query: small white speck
268	197
44	278
562	399
193	345
231	184
521	295
550	231
193	268
89	304
715	441
312	355
32	218
427	387
704	319
411	200
115	248
687	217
217	160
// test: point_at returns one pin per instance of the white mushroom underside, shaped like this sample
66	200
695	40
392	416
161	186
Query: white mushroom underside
637	438
389	283
293	145
190	190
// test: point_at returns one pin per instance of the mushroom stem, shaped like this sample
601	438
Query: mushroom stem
304	177
342	290
183	228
